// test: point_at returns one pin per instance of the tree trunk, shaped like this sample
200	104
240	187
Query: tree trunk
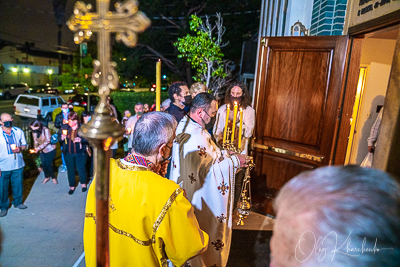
209	64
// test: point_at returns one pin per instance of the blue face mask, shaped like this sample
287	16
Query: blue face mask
65	110
89	119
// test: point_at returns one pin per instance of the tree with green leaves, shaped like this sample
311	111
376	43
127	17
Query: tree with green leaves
203	50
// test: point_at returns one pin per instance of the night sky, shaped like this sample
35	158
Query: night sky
34	21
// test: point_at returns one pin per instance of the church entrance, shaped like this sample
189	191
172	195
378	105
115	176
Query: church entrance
297	110
316	99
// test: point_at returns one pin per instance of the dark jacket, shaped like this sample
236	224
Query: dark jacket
177	112
58	122
69	146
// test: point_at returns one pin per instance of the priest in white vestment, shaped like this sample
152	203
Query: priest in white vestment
207	174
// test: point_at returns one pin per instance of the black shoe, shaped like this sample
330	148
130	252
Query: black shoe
70	192
84	189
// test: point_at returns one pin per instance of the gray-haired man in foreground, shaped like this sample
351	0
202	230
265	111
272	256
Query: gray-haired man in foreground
338	216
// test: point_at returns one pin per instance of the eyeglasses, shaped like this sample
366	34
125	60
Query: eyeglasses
168	146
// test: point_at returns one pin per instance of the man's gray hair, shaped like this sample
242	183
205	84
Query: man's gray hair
151	131
350	206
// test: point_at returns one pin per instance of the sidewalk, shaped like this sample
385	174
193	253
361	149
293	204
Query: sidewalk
49	232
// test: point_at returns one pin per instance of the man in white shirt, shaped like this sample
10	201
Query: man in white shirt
12	142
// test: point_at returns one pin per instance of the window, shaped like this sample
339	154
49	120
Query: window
45	102
53	101
28	101
60	101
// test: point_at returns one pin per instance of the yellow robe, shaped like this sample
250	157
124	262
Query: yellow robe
150	220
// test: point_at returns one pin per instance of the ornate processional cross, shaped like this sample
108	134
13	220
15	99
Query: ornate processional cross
102	131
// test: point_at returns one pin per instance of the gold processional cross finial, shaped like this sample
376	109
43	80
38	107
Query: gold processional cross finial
102	131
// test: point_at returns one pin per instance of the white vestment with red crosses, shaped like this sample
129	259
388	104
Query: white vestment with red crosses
208	176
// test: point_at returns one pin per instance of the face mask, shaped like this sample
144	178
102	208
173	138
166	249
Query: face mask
188	100
210	125
139	113
36	131
168	158
71	109
65	110
237	99
7	124
89	119
128	115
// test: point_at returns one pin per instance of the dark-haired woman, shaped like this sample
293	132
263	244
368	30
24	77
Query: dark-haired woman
74	149
42	137
238	93
86	117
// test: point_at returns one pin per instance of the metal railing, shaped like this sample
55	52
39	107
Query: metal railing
24	125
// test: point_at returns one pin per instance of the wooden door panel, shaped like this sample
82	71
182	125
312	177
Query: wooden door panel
272	176
299	108
298	90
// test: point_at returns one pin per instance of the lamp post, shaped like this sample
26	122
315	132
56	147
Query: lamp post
15	70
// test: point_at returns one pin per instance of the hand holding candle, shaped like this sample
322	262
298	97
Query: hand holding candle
240	129
235	109
65	132
226	122
13	147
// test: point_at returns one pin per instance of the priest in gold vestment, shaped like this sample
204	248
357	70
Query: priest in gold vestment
151	223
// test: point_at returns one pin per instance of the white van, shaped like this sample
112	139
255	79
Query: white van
37	106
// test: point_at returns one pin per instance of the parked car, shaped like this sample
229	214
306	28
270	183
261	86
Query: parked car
82	101
12	90
164	87
37	106
44	89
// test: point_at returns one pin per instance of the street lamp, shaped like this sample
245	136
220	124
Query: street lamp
50	71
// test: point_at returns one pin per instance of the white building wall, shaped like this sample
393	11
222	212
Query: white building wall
273	14
299	10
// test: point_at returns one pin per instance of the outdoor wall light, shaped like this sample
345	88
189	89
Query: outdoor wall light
14	69
50	71
26	70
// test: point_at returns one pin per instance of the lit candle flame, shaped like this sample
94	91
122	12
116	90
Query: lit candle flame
107	143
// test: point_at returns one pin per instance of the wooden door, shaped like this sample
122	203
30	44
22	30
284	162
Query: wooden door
297	99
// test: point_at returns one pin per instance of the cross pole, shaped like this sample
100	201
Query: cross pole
102	131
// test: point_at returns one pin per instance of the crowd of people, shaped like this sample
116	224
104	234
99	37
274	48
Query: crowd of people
172	195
